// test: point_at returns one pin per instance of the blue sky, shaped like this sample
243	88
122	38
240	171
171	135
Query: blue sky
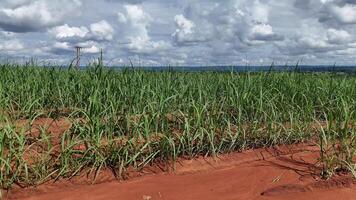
180	32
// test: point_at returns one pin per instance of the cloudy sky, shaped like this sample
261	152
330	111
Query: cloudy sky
180	32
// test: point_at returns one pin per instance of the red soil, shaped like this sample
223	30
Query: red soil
287	172
55	128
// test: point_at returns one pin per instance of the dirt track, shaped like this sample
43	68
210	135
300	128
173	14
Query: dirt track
288	172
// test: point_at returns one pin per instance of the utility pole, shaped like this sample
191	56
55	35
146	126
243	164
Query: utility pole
101	63
78	52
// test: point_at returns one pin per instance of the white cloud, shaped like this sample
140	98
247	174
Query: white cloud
102	30
337	13
312	43
92	49
136	14
184	33
88	47
338	36
62	46
184	25
263	32
135	22
260	11
89	39
241	23
326	1
66	31
345	14
29	16
11	45
307	39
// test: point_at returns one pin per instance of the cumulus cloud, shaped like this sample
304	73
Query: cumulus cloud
264	32
90	47
99	31
61	47
64	48
66	31
338	36
36	15
314	39
11	45
336	12
258	11
345	14
181	32
91	39
135	22
185	32
102	30
242	23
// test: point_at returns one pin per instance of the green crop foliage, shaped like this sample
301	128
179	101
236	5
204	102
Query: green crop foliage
134	118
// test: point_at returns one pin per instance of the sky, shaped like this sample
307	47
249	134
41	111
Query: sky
180	32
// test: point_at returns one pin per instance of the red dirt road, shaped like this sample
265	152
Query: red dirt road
288	172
